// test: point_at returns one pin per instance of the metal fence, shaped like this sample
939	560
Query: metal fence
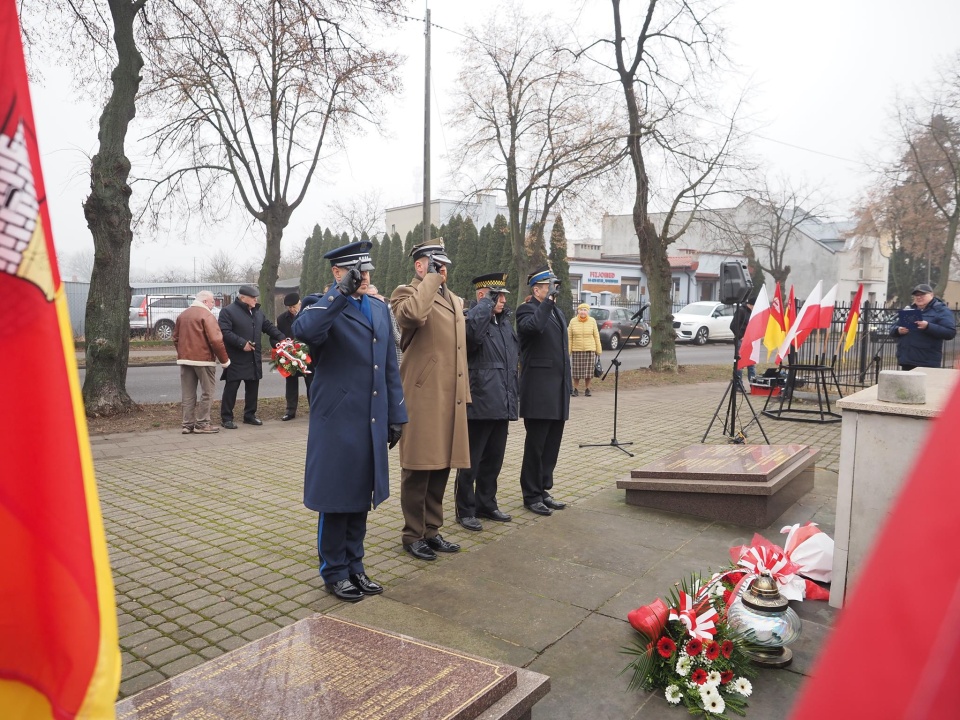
873	350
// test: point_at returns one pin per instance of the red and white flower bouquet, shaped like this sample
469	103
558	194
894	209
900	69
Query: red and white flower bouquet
289	357
687	650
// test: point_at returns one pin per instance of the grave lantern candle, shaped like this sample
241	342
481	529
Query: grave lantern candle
768	621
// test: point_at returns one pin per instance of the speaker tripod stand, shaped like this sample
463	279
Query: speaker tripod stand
732	414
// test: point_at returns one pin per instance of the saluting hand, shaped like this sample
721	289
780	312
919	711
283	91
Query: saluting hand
351	281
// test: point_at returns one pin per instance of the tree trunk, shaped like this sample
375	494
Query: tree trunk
107	211
275	219
952	224
653	251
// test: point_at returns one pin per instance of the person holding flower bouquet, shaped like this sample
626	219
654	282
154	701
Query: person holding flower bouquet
285	324
357	412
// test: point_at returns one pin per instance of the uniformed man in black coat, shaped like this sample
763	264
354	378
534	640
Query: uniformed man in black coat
545	387
492	353
242	323
285	325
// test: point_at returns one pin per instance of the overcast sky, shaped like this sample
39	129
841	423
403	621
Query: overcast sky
825	74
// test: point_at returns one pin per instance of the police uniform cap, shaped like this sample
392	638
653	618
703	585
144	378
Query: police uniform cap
291	299
432	248
348	255
497	280
541	275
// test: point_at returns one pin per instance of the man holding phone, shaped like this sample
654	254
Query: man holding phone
356	413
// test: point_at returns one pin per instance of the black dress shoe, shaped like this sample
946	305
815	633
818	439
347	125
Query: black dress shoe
470	523
539	508
288	416
345	590
553	504
255	421
229	425
438	544
365	584
420	550
494	515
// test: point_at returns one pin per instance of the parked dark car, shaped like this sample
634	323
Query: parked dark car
615	327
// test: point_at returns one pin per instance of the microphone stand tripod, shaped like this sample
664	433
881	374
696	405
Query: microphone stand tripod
730	418
615	364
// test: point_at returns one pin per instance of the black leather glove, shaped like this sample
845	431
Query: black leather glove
555	292
393	435
350	282
432	267
493	294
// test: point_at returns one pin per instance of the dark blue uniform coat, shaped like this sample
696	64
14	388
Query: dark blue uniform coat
355	396
492	352
924	348
545	383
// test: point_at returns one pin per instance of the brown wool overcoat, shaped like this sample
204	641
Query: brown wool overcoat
436	385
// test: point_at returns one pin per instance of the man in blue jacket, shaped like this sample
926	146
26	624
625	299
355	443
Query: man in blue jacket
492	355
356	413
921	343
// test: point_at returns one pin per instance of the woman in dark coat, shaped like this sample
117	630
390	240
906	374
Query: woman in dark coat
242	323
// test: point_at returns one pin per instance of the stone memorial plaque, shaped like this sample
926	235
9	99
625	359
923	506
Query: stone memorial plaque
724	463
323	667
744	484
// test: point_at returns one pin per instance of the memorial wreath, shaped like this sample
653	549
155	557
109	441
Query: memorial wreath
290	357
687	650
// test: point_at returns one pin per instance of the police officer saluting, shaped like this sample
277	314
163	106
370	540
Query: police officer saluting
545	386
492	352
356	412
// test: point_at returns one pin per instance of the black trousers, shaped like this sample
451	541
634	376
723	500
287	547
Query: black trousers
340	544
250	390
476	486
541	448
293	391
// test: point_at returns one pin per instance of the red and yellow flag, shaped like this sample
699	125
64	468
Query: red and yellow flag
853	320
776	325
59	656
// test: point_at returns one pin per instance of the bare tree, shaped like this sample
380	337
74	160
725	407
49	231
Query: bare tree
361	214
533	126
95	39
774	215
221	268
253	91
664	68
78	264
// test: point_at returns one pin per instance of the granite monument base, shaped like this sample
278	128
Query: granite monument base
326	668
744	484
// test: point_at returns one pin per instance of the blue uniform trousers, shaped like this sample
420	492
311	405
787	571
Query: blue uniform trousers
340	544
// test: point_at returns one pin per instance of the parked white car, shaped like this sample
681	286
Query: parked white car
702	321
158	314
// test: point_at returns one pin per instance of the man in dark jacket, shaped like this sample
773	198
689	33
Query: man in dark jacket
545	388
285	325
920	343
242	323
356	413
492	353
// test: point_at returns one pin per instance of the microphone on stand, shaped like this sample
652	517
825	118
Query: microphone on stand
639	312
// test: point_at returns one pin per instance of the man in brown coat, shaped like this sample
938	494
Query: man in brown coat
199	344
436	388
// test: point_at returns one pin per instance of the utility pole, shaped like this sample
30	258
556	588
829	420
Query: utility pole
426	132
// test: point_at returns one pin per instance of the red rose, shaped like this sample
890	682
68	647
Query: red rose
726	649
666	647
713	650
694	647
726	676
727	594
698	676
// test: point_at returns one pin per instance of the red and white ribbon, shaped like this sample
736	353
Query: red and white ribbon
699	625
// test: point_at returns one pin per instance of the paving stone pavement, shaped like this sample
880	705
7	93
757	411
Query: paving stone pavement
212	548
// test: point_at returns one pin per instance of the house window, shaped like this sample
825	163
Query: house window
630	288
708	290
